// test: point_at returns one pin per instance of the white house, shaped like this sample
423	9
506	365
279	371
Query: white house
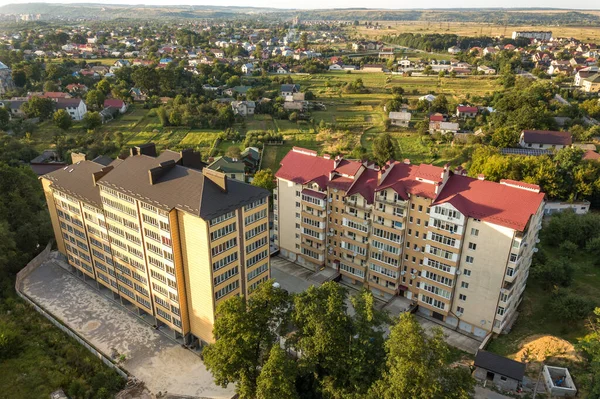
404	63
243	108
400	118
428	97
74	106
443	127
247	68
454	50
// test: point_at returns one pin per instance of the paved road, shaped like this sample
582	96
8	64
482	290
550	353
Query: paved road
150	356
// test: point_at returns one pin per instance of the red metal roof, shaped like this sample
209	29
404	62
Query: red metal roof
591	155
314	193
467	109
302	166
491	202
436	118
113	102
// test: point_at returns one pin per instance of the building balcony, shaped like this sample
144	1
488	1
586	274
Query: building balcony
388	216
356	238
391	201
511	274
360	225
356	204
314	213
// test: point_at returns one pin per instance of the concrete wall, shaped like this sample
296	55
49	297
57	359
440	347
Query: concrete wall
508	384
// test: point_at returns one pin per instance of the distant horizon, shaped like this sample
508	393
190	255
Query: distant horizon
307	5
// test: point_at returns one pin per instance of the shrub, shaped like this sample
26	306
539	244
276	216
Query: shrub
568	306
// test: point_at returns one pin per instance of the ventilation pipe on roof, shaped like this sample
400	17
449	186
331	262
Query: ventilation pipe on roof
101	173
326	156
481	176
155	173
407	161
337	161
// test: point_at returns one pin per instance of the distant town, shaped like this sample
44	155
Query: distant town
311	204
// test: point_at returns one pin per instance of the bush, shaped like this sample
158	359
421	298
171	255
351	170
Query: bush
568	248
554	272
10	341
568	306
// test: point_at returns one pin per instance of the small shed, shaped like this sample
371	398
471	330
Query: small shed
505	373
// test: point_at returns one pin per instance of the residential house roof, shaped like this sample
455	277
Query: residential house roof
228	165
113	102
467	109
402	116
500	364
547	137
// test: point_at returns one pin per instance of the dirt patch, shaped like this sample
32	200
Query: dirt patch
539	348
91	325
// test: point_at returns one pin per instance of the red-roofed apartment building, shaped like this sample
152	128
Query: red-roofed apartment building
457	247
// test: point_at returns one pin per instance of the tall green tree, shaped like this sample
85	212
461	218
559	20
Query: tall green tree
38	107
245	330
590	345
95	100
265	179
385	148
277	379
417	366
62	119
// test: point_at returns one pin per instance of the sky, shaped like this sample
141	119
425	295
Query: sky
320	4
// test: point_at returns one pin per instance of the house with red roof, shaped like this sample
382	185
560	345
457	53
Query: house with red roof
454	248
116	103
466	111
545	139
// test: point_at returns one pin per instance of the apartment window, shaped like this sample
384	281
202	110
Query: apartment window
412	206
150	220
443	239
433	302
221	278
409	232
227	289
472	246
223	231
222	218
462	297
467	272
255	217
225	261
352	270
513	257
469	259
163	314
464	284
420	208
418	222
224	246
297	205
297	193
474	232
256	245
158	288
257	272
410	219
256	258
460	309
254	204
501	311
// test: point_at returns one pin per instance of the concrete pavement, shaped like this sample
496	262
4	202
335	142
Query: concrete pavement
161	363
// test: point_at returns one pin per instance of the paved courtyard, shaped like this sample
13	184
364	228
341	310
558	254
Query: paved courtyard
150	356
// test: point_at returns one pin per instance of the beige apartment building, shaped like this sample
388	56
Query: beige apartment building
459	248
168	240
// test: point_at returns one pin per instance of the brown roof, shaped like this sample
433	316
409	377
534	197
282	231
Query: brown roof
547	137
179	187
77	181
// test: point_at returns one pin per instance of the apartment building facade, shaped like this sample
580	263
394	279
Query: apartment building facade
459	248
167	239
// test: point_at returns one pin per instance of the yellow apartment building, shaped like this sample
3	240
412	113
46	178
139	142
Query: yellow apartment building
167	239
456	247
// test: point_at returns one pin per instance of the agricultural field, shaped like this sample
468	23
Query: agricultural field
472	29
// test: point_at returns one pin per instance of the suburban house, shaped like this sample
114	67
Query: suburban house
243	108
506	374
454	50
251	158
465	111
591	84
400	118
138	94
289	89
231	167
14	107
74	106
248	68
116	103
486	70
583	74
545	139
427	97
404	63
443	127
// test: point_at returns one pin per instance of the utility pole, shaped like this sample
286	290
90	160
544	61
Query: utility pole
538	381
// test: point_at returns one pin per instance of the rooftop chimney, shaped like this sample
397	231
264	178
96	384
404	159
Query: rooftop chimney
326	156
101	173
220	179
77	157
192	159
481	176
407	161
155	173
144	149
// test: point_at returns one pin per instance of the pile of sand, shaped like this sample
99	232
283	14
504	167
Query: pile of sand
538	348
